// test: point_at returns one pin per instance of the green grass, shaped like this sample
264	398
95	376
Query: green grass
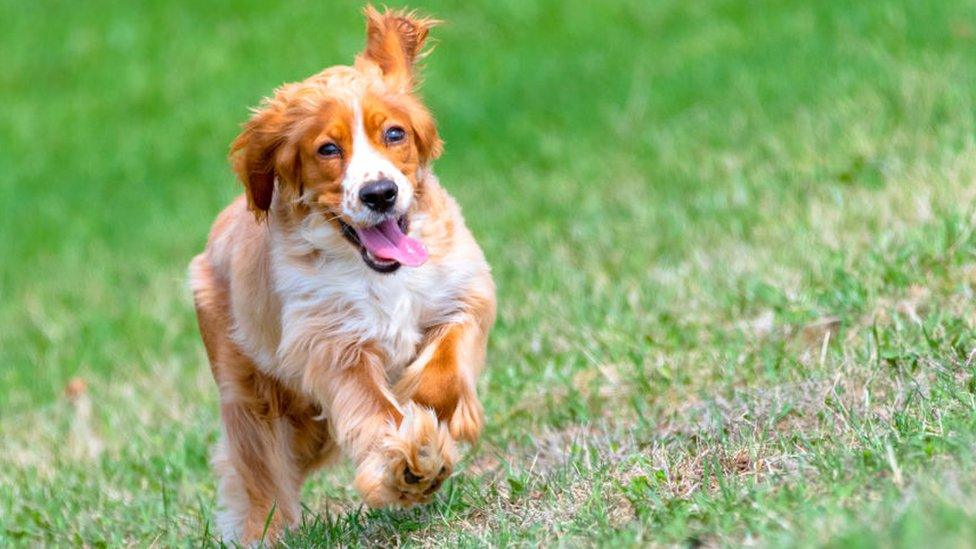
733	241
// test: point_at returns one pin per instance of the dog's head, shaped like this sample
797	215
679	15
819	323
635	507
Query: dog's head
350	143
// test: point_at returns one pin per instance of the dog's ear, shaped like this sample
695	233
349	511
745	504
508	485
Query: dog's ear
429	144
395	41
260	154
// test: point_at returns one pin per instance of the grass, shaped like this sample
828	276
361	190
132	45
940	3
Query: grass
734	246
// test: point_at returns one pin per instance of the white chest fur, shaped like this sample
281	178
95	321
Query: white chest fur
390	313
337	299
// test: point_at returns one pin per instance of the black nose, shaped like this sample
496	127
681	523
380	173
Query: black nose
379	196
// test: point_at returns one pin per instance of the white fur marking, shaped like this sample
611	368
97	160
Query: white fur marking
367	165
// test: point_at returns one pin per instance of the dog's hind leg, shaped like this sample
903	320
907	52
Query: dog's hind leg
258	480
271	441
256	469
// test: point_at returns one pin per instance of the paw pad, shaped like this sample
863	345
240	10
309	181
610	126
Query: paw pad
410	464
409	477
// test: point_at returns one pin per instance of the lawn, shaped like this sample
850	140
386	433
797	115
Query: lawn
733	241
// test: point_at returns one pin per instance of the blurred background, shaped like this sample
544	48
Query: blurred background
733	242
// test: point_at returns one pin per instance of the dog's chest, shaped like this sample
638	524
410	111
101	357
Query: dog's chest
345	302
391	315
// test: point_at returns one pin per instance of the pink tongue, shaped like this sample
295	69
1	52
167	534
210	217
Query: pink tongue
387	241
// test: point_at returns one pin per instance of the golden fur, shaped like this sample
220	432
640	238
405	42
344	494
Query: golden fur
313	353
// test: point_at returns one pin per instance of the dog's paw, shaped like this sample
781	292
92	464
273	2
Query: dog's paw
409	465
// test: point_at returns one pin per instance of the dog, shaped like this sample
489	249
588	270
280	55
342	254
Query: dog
344	305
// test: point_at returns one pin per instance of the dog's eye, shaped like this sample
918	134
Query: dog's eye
329	149
394	134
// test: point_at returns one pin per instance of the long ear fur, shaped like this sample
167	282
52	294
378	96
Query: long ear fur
257	156
395	41
429	144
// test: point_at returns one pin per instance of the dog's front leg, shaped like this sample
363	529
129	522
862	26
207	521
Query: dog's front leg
401	452
443	376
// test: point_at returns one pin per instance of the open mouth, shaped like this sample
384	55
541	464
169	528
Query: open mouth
385	247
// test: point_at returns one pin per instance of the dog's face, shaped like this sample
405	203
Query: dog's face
350	143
